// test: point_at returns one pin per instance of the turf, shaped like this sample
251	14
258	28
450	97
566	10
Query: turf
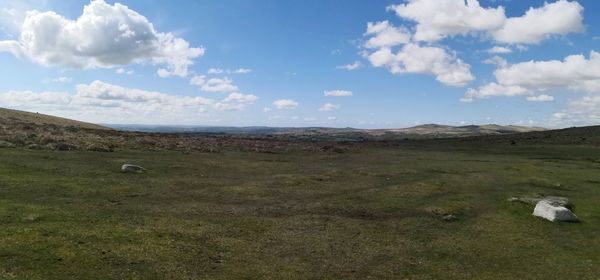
374	212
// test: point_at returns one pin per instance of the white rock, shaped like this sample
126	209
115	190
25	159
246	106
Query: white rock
554	212
132	168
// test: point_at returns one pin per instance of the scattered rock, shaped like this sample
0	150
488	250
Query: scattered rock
449	218
554	210
5	144
130	168
526	200
534	200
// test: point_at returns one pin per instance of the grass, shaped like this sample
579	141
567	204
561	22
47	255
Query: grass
372	212
9	115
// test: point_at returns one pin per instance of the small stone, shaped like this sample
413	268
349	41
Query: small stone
449	218
130	168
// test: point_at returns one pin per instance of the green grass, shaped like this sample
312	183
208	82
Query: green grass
373	212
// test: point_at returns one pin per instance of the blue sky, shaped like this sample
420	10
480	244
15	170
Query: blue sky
273	61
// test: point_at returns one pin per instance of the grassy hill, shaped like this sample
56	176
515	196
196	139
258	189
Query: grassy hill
267	207
12	117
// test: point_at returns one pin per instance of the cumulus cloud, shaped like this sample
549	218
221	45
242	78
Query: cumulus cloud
337	93
540	98
240	98
104	94
242	71
108	103
122	71
493	89
582	111
575	73
103	36
214	71
412	58
222	106
385	35
438	19
285	104
352	66
499	50
329	107
559	18
496	60
198	80
216	85
34	100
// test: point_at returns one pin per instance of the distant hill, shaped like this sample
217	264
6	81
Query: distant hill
422	131
11	117
38	131
468	130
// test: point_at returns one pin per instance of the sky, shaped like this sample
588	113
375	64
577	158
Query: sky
336	63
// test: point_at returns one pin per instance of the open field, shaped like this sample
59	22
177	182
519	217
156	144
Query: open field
374	211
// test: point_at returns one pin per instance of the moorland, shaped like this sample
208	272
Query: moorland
221	206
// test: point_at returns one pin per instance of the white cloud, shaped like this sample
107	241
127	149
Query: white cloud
103	36
285	104
214	71
11	17
100	93
352	66
575	73
242	71
35	101
413	58
558	18
583	111
385	35
198	80
63	80
107	103
496	60
540	98
332	118
337	93
494	89
224	85
329	107
122	71
229	106
267	109
240	98
499	50
438	19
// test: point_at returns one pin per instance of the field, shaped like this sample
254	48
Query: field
375	211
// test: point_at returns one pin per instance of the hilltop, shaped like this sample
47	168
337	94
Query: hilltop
9	117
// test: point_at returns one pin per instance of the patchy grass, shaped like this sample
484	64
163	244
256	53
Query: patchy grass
374	212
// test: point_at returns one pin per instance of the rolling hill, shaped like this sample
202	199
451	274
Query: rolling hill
9	117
